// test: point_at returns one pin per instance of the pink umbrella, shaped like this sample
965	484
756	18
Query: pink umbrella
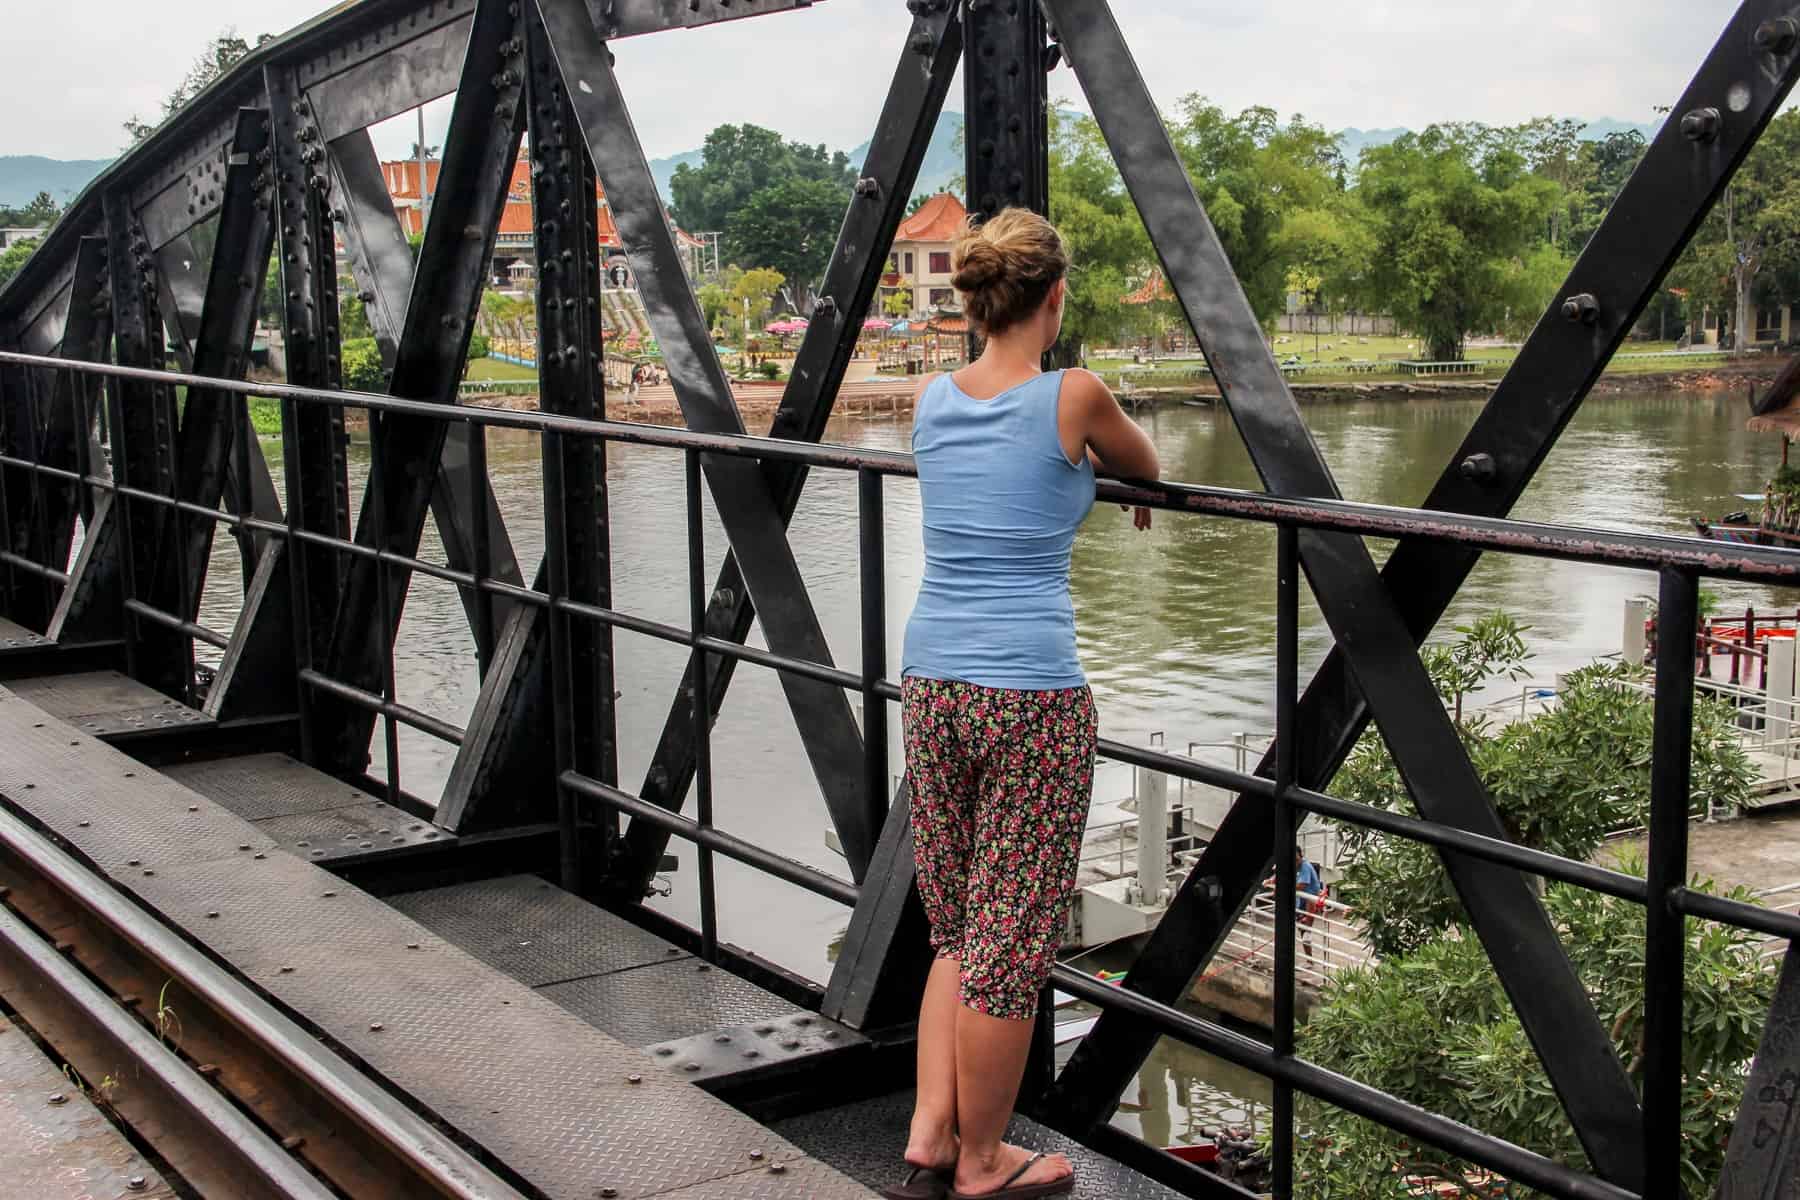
876	323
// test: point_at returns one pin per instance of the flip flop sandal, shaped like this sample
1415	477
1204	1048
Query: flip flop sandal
923	1183
1023	1191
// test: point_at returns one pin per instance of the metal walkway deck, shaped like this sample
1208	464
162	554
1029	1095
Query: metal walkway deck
570	1109
54	1143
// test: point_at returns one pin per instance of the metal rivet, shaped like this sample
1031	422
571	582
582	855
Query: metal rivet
132	862
1581	309
193	808
212	915
1700	125
690	1067
791	1044
777	1168
259	856
721	1038
375	1026
329	895
293	1143
83	824
1777	36
634	1079
137	1183
663	1051
58	1098
285	971
412	945
756	1156
608	1193
753	1054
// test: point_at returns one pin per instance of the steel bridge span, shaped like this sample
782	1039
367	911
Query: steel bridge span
289	978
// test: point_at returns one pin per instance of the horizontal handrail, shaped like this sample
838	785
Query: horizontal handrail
1713	559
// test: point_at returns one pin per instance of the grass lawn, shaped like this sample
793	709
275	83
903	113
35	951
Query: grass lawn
493	368
1342	350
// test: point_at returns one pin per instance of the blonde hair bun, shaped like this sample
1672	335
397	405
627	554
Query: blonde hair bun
1004	267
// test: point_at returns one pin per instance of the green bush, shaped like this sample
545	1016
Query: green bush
768	369
478	346
363	371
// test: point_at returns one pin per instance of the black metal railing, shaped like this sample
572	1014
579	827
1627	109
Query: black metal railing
1679	563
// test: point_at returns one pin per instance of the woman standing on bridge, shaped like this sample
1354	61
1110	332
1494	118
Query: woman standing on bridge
999	723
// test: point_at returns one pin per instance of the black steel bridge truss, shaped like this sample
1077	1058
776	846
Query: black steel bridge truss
276	158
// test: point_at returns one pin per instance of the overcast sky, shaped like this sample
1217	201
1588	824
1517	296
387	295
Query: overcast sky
72	73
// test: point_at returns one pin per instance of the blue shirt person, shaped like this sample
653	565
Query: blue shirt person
1307	883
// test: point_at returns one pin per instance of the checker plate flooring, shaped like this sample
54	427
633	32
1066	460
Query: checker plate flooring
106	704
64	1150
17	637
569	1108
306	811
865	1140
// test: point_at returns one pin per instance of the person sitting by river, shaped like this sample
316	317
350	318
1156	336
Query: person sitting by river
999	723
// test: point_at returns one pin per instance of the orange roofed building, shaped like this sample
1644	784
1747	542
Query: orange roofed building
515	258
919	265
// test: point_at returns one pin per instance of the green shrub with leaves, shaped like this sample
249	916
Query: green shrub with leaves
363	371
1434	1027
1561	779
478	346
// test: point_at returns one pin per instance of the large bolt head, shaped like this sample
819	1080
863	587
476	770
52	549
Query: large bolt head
1777	36
1701	125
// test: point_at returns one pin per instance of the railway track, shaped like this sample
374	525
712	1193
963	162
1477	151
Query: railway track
233	1096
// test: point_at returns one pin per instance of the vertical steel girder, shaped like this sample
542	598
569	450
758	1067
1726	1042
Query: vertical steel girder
885	955
284	600
142	420
40	419
1762	1161
915	97
752	521
1006	110
577	536
213	422
1644	232
480	148
69	422
381	263
1552	1004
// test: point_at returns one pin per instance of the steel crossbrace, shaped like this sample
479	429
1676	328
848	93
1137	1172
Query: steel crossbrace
480	148
757	499
1762	1160
1645	230
1551	1002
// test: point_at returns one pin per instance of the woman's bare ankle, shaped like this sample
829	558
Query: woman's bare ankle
932	1142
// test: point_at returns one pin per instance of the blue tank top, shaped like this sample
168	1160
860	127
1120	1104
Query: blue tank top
1001	505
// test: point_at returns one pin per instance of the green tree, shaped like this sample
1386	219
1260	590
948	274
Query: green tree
898	303
748	302
715	299
220	55
1755	226
790	226
14	256
1252	172
42	210
739	161
1454	216
1109	251
1609	162
1560	780
1434	1027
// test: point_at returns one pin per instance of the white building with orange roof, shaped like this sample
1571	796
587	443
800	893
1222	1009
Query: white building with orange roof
515	258
919	265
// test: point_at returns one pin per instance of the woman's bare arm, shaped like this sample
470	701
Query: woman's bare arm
1114	441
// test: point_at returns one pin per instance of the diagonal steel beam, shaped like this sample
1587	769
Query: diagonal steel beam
752	522
916	92
480	149
381	263
288	606
68	424
1644	232
1762	1161
1552	1004
212	422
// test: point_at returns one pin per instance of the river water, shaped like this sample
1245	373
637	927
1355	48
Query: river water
1176	625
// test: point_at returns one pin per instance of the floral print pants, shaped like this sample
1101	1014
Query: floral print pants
1001	781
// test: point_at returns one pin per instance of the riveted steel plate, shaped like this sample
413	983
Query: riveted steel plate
17	637
355	832
107	805
865	1141
666	1001
540	1088
784	1181
737	1049
106	704
256	786
535	932
65	1150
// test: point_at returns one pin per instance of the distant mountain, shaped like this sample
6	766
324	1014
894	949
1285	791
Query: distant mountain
663	169
943	157
23	176
1354	141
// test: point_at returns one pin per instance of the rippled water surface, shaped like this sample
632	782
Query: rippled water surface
1176	625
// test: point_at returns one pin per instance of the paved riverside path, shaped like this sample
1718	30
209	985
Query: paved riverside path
570	1109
